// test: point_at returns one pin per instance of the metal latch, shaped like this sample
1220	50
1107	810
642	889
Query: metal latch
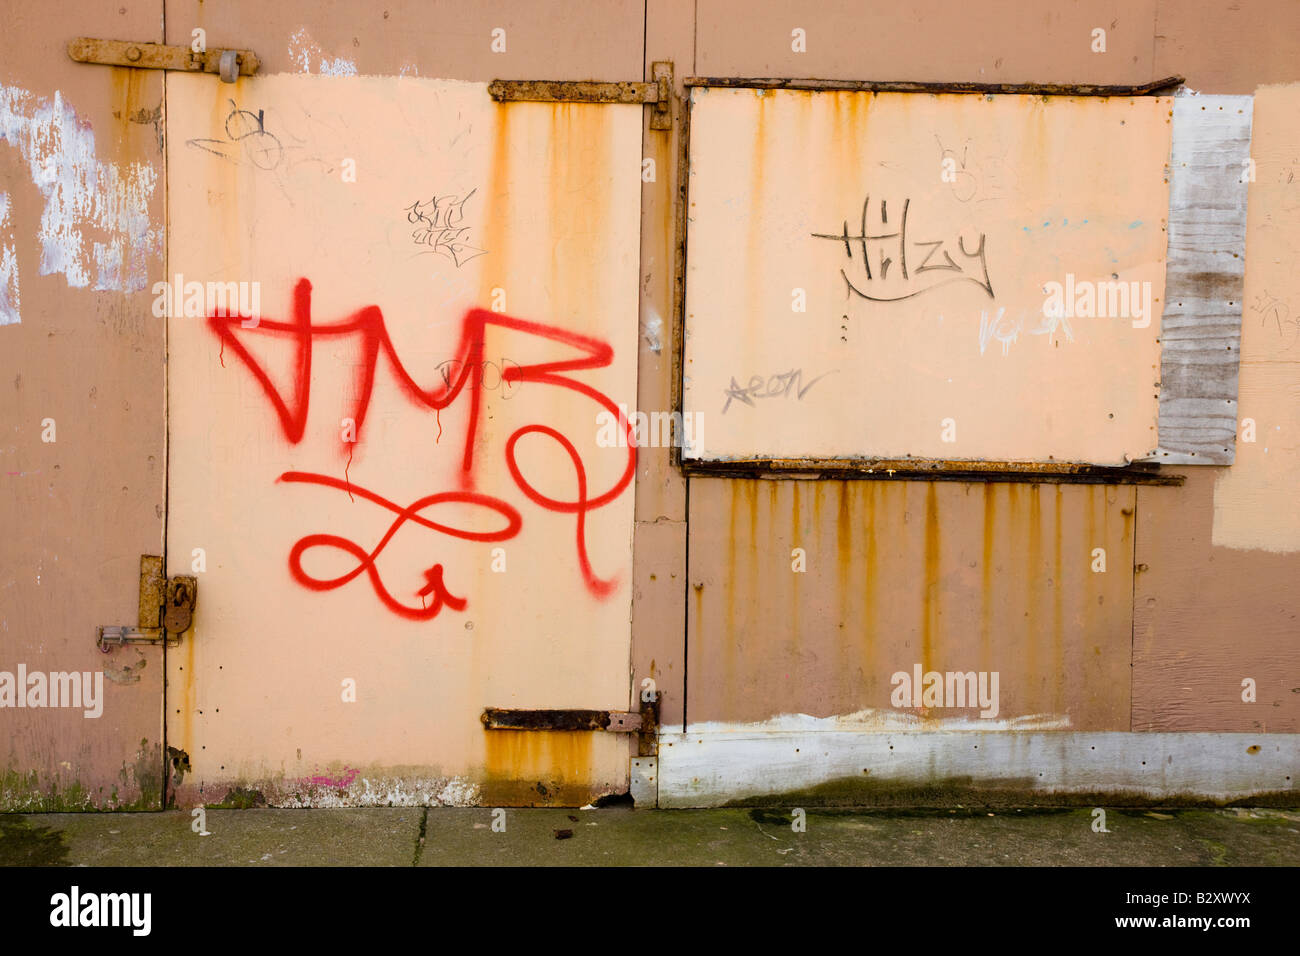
658	93
645	724
230	64
615	721
166	609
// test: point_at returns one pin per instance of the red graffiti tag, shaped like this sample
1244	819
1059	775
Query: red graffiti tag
366	559
367	324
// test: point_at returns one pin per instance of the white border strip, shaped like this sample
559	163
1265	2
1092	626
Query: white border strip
714	767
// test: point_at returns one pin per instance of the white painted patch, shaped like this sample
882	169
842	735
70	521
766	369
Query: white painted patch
9	298
83	196
710	768
306	53
374	792
654	332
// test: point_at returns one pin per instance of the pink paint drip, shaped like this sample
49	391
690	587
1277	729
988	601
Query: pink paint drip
339	783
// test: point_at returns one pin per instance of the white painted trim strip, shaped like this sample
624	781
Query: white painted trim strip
712	768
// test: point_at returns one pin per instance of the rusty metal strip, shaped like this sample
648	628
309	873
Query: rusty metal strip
153	585
932	470
502	718
896	86
572	91
156	56
647	739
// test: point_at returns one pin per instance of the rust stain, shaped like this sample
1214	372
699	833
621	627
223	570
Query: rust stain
1092	524
869	590
125	84
797	536
580	141
731	632
188	702
497	194
1034	578
931	598
561	161
537	768
986	573
843	551
1058	609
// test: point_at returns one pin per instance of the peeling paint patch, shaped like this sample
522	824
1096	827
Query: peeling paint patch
82	194
9	299
653	334
304	52
349	789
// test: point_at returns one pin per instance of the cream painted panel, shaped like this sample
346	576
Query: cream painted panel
1255	500
936	345
327	560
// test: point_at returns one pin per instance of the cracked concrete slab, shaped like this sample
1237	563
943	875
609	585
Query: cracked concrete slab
345	837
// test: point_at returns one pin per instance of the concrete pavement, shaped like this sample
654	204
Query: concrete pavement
446	836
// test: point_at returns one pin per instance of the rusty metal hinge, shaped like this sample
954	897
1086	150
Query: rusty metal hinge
230	64
644	724
166	609
658	93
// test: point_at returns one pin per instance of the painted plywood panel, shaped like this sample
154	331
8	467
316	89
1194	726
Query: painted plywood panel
472	546
1004	303
541	39
81	411
1200	334
1227	47
1001	41
1255	501
1219	558
891	577
1206	618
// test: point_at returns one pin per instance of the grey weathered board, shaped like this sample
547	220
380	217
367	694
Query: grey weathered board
1204	280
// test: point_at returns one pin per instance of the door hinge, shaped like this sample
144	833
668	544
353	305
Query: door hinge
658	93
230	64
645	723
165	613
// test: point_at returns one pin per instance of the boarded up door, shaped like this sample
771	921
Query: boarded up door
892	276
389	483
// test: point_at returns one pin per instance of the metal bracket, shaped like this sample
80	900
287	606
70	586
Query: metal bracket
645	724
661	116
166	609
229	64
614	721
658	93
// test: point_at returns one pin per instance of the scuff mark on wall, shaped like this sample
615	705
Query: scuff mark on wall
304	51
9	300
81	194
